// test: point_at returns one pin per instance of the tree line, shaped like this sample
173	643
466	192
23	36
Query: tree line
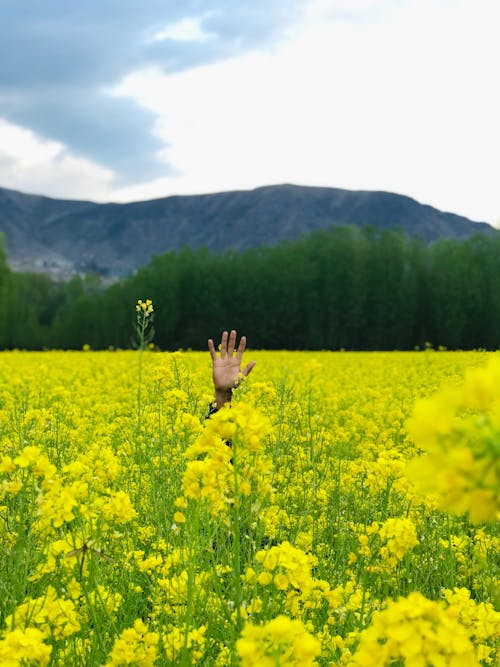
350	288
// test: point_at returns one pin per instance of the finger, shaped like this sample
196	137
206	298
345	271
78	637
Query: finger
211	349
241	347
232	343
223	345
246	371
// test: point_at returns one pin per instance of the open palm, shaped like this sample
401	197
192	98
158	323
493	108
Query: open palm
226	368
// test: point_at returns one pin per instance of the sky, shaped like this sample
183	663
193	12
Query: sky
126	100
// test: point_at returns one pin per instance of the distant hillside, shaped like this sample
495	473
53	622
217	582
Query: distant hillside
65	237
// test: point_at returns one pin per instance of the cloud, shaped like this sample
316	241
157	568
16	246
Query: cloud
405	104
47	167
187	30
179	98
58	60
113	133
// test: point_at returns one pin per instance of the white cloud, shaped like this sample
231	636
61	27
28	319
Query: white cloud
358	10
29	163
187	30
408	104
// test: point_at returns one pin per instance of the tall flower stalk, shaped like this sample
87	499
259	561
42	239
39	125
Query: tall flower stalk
145	332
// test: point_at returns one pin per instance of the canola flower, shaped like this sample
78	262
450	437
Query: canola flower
144	315
385	544
52	615
419	631
228	458
20	647
481	620
135	646
127	539
281	642
144	307
176	641
458	428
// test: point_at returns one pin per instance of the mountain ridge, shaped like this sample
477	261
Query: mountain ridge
63	237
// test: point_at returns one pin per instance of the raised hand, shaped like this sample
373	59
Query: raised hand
226	368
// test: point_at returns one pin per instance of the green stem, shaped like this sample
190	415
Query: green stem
141	332
236	527
139	385
192	540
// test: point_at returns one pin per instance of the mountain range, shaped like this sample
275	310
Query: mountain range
66	237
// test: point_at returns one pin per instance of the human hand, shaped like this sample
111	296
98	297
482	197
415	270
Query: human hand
226	368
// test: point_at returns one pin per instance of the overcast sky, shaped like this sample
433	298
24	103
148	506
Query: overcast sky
134	99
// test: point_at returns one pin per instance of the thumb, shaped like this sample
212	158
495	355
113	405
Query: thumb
246	371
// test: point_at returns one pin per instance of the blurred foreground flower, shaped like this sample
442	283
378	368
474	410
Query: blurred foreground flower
459	431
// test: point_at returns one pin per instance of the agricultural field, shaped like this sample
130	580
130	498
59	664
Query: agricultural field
342	511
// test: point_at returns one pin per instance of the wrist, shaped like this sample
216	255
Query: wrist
222	396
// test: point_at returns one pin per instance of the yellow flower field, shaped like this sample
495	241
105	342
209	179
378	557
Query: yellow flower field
352	520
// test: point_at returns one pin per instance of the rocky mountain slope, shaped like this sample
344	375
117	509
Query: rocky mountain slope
62	237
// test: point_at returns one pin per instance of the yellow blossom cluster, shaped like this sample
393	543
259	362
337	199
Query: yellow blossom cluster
280	642
419	631
135	646
176	643
228	460
19	647
54	616
286	567
144	307
385	544
458	428
480	619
